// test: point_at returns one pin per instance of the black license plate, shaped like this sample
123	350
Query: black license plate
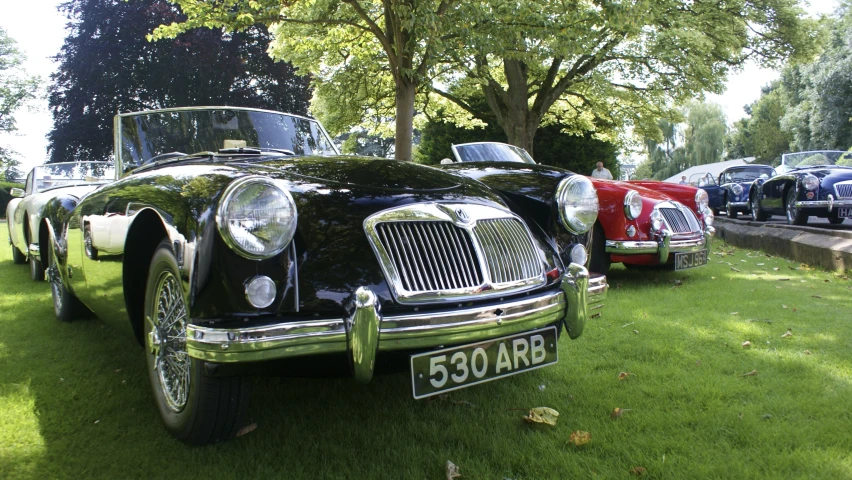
844	212
690	260
459	367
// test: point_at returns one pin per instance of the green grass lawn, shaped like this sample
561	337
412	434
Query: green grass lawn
75	402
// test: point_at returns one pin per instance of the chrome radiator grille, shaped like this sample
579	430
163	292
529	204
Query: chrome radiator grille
680	221
431	256
843	190
435	252
509	252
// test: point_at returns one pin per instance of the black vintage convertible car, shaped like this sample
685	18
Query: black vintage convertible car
239	240
817	183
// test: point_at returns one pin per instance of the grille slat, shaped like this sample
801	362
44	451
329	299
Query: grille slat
432	256
843	190
680	221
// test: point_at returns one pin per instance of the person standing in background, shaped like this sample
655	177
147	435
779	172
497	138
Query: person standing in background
601	172
682	180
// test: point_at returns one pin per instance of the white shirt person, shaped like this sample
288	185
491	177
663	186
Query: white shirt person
601	172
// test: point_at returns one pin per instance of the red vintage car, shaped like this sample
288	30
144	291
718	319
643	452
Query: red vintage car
640	226
693	197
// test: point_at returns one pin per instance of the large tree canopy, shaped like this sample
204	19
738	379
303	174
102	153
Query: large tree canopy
365	55
16	88
108	66
619	63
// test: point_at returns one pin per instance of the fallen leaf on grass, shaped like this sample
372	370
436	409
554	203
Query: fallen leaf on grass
712	278
788	334
247	429
783	279
452	470
807	352
792	268
735	313
678	283
760	264
624	375
638	471
784	306
618	412
776	269
636	332
542	415
766	417
628	324
750	374
794	309
746	344
815	296
580	438
735	269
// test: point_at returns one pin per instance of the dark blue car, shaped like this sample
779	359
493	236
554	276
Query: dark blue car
808	184
729	191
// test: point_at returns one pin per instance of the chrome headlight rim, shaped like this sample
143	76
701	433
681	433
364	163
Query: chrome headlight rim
701	199
632	205
221	216
573	224
810	182
709	218
737	189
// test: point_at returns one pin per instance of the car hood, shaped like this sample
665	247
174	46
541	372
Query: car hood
368	173
614	189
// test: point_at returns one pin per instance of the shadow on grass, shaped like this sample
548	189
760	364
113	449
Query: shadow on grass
85	408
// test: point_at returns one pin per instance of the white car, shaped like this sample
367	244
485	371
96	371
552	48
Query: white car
45	182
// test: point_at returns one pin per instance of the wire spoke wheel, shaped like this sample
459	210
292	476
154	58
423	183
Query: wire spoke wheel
167	342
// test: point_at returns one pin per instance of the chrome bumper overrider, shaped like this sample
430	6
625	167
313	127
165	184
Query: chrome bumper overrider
366	332
34	251
662	246
738	204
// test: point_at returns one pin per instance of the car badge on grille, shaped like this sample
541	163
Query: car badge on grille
462	215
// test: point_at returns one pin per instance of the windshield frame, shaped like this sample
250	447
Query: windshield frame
804	155
458	158
122	166
35	179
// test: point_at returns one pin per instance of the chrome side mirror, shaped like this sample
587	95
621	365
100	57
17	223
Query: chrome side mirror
17	192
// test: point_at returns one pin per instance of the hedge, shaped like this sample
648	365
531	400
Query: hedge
5	196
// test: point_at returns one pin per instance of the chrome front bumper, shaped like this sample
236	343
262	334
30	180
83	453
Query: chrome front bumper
828	204
366	332
738	204
662	246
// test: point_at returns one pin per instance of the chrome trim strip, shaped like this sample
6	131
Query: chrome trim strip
738	204
824	203
630	247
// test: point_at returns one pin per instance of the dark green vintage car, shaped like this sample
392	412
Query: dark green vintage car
239	241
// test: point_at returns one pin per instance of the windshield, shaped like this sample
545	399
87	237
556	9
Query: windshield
491	152
703	179
746	174
807	159
53	175
149	134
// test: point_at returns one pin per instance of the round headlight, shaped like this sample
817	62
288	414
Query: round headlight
810	182
709	218
701	199
737	189
260	291
657	220
256	218
632	205
577	200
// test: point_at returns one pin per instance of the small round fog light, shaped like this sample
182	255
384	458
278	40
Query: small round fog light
260	291
579	255
708	216
630	231
656	220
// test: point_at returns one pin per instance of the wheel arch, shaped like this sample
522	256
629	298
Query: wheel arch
144	235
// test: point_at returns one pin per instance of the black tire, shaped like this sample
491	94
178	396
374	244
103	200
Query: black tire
36	269
835	220
91	251
66	306
795	216
195	408
730	211
757	213
599	261
18	258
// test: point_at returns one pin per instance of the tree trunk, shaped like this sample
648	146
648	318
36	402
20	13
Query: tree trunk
405	91
520	132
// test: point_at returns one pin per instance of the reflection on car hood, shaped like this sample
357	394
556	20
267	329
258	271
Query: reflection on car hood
615	187
371	173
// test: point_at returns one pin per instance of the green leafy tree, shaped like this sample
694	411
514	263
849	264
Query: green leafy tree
705	133
107	65
16	89
607	62
365	55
